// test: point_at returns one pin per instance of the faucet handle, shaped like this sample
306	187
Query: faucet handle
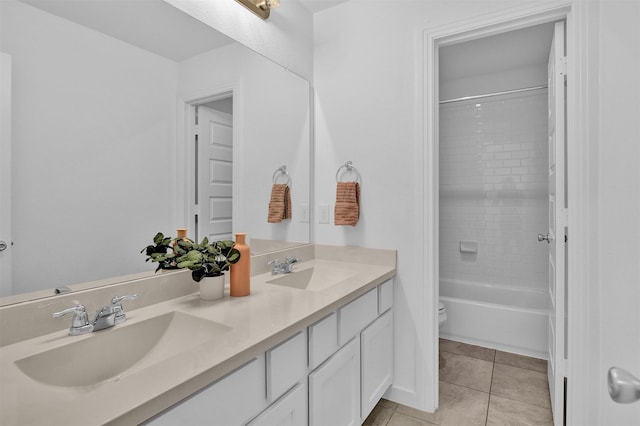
80	321
116	302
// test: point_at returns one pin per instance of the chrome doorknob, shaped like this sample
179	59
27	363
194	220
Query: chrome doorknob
3	246
546	238
624	387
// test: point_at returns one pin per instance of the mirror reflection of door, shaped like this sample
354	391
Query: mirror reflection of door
213	171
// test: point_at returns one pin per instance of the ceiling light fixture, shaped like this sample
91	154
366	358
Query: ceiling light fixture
261	8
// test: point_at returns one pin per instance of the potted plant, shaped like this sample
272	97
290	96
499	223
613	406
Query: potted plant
166	250
208	262
161	251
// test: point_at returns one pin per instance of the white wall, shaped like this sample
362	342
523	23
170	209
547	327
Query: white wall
91	116
286	37
493	190
367	77
271	129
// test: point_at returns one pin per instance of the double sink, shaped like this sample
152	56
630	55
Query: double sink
110	354
167	350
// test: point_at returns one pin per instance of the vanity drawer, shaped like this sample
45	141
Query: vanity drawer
385	296
355	316
232	400
286	365
323	340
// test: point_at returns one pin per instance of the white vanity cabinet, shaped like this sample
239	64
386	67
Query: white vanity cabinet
232	400
334	389
376	354
290	410
331	373
346	387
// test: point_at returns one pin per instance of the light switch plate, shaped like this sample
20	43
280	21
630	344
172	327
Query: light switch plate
324	213
304	216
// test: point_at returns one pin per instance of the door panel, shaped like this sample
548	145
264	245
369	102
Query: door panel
618	268
215	175
557	222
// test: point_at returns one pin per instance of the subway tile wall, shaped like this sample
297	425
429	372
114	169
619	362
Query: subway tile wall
493	189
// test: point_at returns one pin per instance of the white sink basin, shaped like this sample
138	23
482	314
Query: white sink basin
109	353
315	278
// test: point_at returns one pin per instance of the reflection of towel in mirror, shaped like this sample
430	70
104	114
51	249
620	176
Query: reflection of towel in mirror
347	210
280	204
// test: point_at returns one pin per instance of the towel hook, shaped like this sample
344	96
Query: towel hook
350	168
282	170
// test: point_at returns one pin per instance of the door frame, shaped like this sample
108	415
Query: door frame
6	282
184	187
582	403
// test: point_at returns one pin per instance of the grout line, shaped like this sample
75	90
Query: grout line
486	419
518	366
522	402
466	387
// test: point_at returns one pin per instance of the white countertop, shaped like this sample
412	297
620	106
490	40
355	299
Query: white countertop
271	314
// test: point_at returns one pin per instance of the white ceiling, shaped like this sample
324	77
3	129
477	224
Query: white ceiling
511	50
317	5
152	25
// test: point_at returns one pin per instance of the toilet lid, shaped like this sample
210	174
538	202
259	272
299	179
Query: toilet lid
440	306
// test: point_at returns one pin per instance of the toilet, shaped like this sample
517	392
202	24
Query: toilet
442	318
442	314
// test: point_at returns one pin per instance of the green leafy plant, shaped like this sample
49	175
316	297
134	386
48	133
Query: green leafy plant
166	250
208	259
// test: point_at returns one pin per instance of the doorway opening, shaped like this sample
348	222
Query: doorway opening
210	168
495	187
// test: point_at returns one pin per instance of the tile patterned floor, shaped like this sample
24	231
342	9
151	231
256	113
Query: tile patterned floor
479	386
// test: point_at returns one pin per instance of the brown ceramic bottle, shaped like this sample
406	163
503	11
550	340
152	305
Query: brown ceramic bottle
241	271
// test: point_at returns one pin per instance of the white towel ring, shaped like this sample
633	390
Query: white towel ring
280	172
349	169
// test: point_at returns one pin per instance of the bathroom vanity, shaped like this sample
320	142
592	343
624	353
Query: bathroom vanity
314	346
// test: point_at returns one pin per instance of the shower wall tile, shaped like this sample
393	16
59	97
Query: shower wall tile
493	189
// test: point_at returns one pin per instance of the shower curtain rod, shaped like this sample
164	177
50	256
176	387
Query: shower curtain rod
506	92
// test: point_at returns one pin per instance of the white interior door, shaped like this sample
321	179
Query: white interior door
214	174
557	222
618	292
5	175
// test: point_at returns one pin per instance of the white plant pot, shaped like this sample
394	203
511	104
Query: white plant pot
212	288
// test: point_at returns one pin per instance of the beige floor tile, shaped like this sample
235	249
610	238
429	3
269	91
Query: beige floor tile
458	406
399	419
380	416
466	349
507	412
521	361
521	385
387	404
466	371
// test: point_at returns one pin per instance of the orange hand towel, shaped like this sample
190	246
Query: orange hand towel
347	210
280	204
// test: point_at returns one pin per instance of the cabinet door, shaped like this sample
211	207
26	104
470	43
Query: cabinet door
377	361
290	410
334	389
232	400
286	365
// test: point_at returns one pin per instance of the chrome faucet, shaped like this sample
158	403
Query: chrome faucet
112	314
106	317
80	321
284	267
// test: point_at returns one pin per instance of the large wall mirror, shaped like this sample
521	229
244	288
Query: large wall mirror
105	98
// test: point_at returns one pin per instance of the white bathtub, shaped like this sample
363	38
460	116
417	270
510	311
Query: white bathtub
498	317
